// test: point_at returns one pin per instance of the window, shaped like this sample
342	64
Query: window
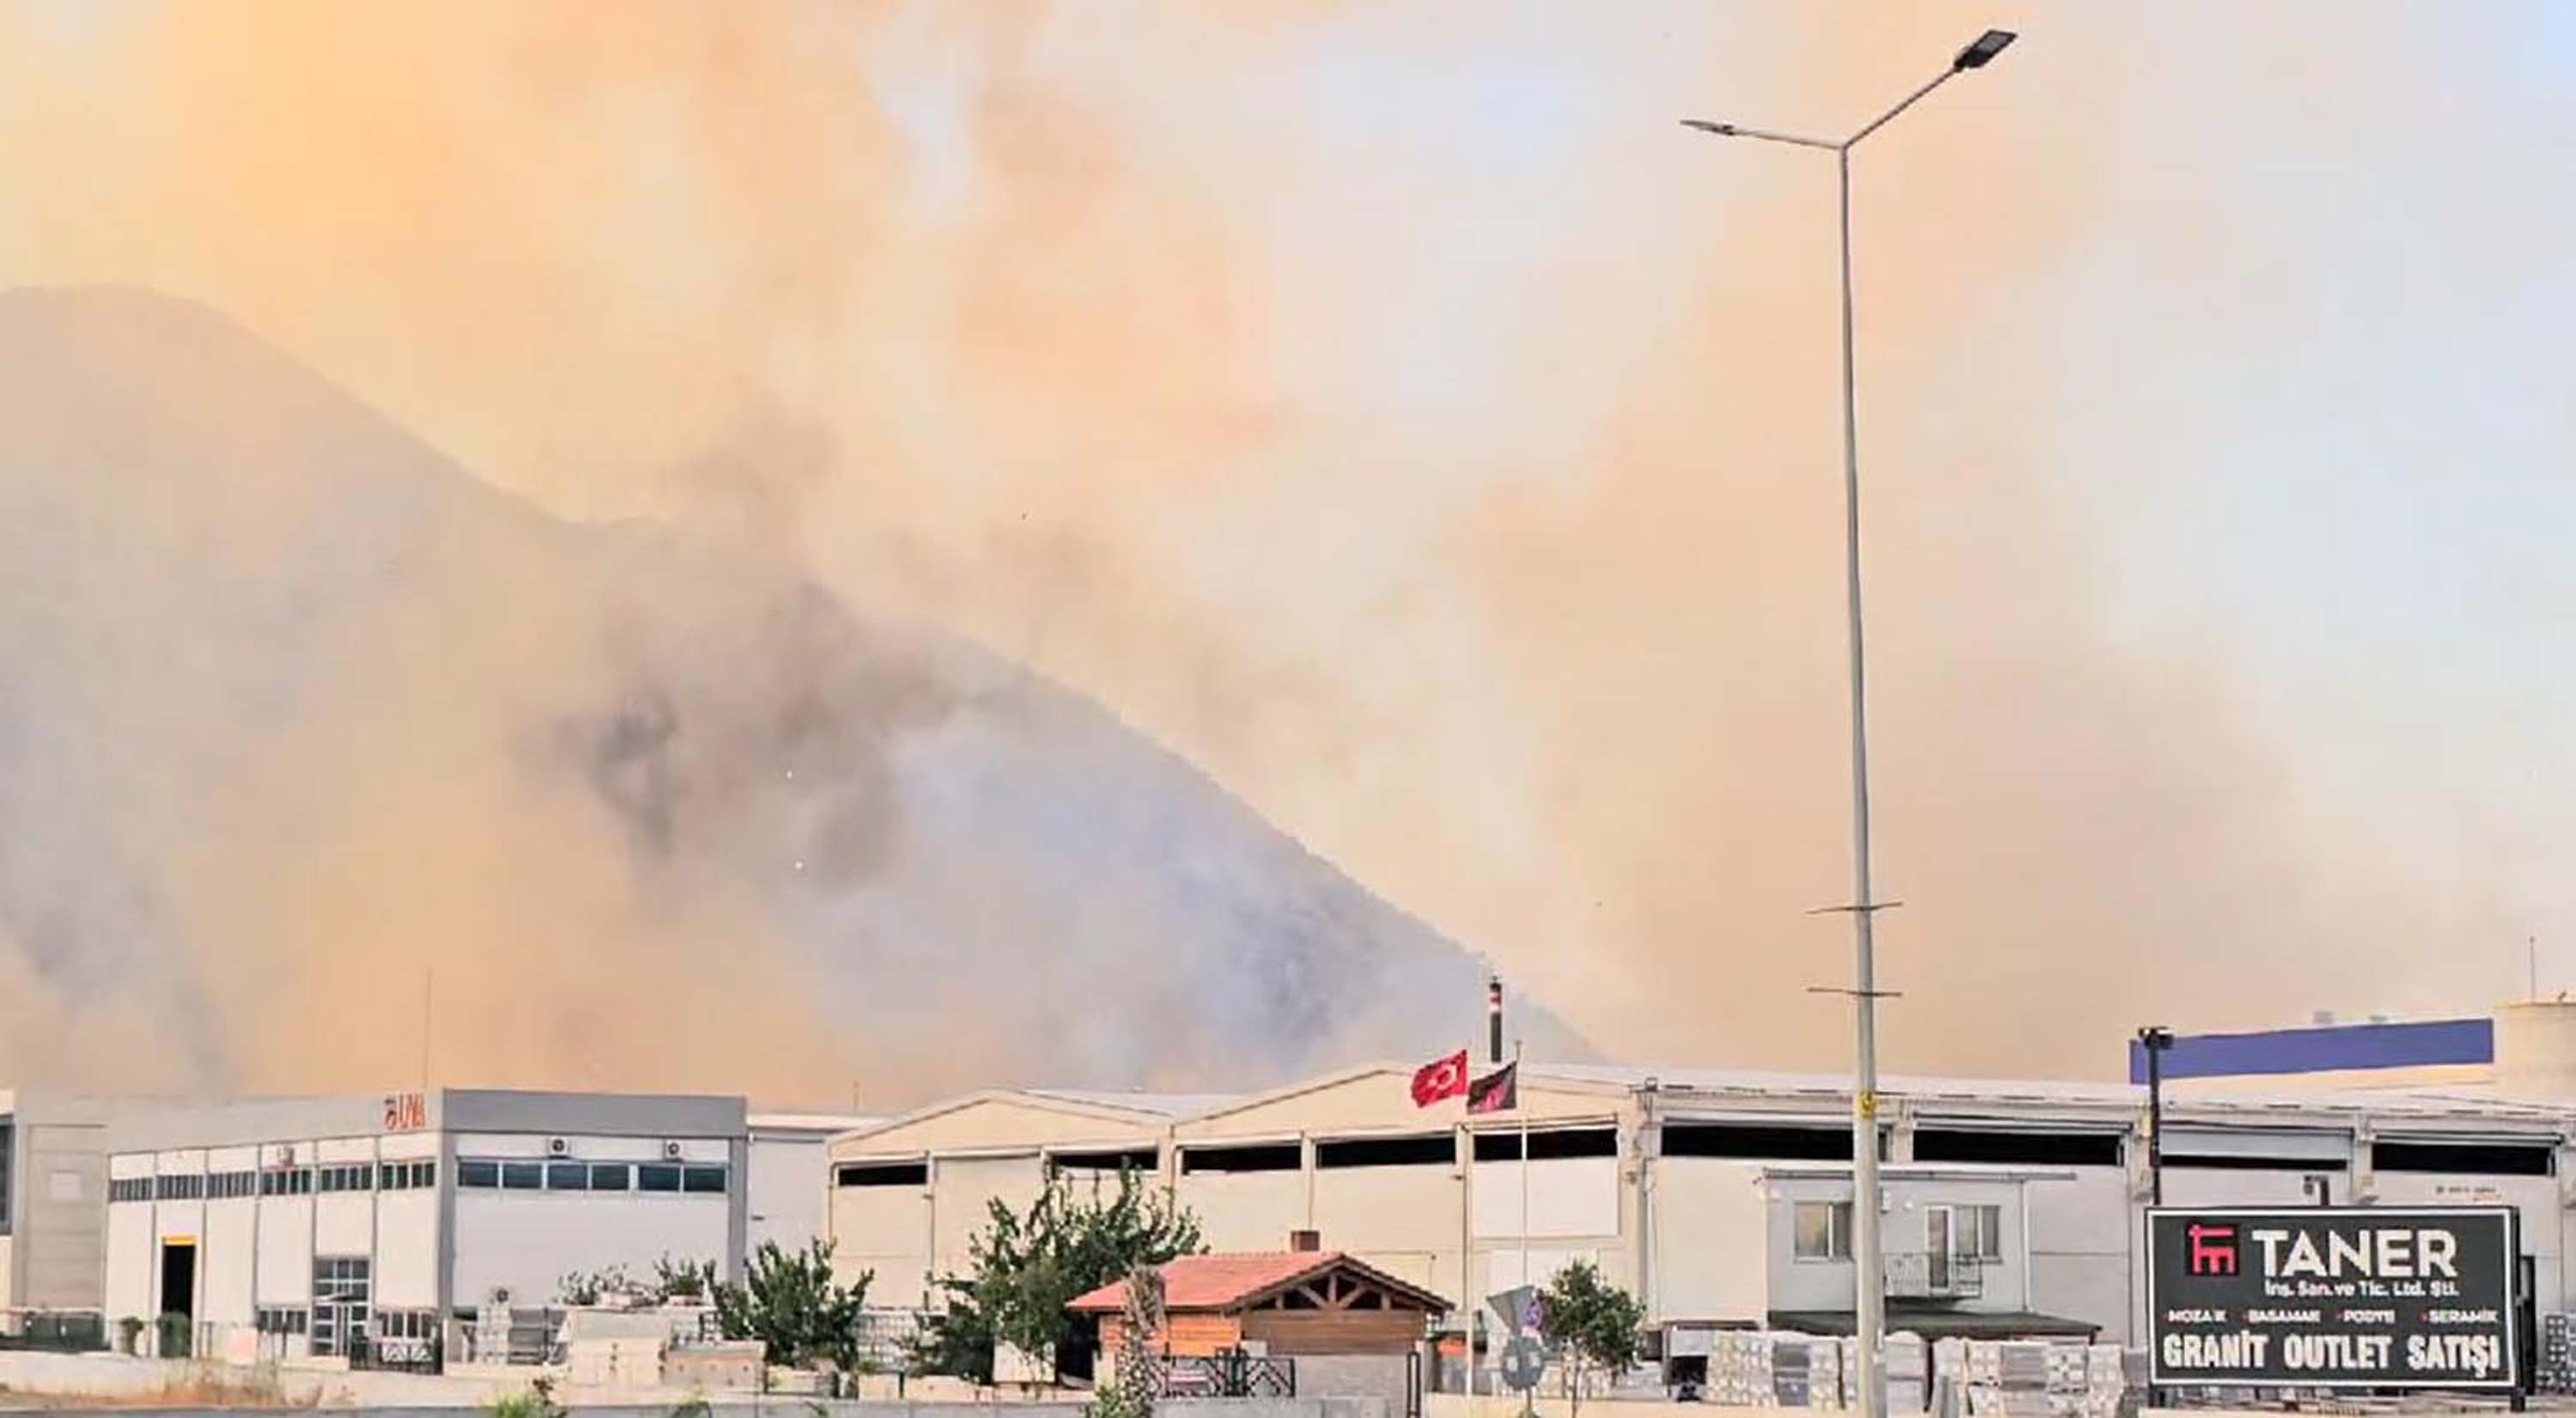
348	1177
223	1186
2043	1149
611	1177
406	1176
567	1176
130	1189
705	1181
1140	1159
522	1176
1823	1230
1429	1150
406	1324
882	1174
1547	1145
182	1188
1977	1231
341	1278
1257	1157
8	1140
282	1321
289	1181
478	1174
2498	1159
1822	1144
657	1177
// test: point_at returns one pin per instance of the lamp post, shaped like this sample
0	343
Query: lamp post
1870	1278
2153	1041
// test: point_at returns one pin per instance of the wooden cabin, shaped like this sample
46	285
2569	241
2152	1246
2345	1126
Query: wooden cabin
1303	1302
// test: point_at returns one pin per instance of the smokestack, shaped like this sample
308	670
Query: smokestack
1494	1015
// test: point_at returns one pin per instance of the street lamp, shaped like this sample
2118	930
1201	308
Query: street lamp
1870	1300
2154	1041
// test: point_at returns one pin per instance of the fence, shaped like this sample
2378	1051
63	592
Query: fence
1233	1374
57	1331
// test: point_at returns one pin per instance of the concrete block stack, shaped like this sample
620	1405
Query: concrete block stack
1792	1376
1739	1369
1908	1373
2555	1368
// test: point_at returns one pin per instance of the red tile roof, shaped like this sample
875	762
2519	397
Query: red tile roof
1226	1282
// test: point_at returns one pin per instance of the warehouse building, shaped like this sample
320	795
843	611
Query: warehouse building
53	1183
375	1228
784	1191
2010	1207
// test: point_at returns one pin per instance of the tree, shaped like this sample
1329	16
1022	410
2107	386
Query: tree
1027	1266
686	1282
789	1303
1592	1323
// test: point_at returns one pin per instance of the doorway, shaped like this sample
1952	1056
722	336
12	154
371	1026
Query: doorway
178	1296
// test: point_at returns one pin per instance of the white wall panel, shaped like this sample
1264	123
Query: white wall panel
131	1256
407	1249
1711	1228
344	1224
285	1250
1568	1196
1245	1211
964	1189
526	1242
225	1255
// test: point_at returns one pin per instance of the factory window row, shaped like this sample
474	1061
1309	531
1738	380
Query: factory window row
281	1321
406	1176
694	1179
275	1181
882	1174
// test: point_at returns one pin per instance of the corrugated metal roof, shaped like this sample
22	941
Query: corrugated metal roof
2452	1101
1167	1105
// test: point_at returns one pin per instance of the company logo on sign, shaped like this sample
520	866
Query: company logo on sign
2209	1250
406	1112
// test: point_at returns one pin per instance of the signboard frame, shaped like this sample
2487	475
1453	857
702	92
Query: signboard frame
2511	1315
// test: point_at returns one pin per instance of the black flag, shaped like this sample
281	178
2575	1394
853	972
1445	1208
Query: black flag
1496	1092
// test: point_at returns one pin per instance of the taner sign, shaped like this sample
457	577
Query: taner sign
2332	1298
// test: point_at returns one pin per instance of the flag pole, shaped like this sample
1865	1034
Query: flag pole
1520	1105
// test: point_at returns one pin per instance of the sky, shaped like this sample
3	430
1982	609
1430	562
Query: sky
1392	410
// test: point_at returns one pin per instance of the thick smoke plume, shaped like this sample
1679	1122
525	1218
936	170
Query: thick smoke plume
1386	407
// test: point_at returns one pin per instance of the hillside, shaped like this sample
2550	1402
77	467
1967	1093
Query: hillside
308	736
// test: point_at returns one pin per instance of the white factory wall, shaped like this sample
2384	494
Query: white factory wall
783	1190
225	1254
8	1272
1401	1219
60	1216
1250	1211
963	1190
406	1269
2079	1248
1567	1197
1711	1218
884	1231
526	1242
286	1251
131	1258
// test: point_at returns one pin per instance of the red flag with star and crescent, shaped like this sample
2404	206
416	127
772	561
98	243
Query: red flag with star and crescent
1439	1079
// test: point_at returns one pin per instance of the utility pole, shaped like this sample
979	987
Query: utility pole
1869	1300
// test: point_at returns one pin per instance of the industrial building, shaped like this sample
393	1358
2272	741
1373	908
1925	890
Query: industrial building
53	1186
376	1227
783	1191
2010	1207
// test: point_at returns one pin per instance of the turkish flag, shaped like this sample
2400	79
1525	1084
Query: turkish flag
1440	1078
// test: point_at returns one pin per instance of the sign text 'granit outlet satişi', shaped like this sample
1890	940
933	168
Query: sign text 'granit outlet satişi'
2332	1298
